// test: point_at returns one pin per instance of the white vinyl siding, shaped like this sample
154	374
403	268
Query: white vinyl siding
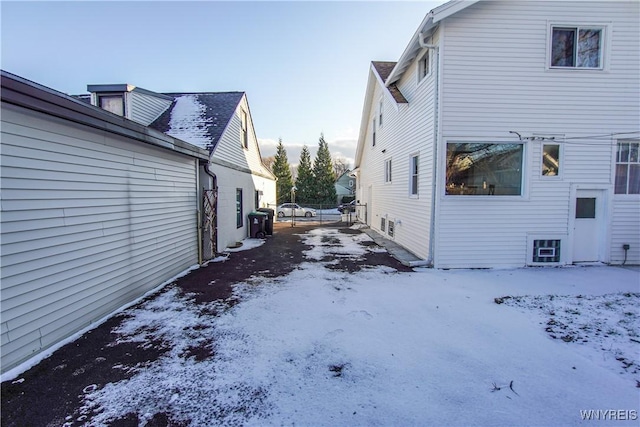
625	230
144	108
90	221
489	91
408	129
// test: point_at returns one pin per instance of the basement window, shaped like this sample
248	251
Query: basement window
546	251
390	229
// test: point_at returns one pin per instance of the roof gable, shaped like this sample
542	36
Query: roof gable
198	118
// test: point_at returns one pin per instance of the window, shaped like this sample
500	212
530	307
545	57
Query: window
243	129
576	47
387	171
373	129
585	207
423	66
239	215
484	169
390	228
112	103
628	168
550	160
546	251
380	112
413	176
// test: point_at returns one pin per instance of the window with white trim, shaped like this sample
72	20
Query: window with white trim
484	169
550	160
576	47
373	132
113	103
628	167
387	170
243	129
239	211
380	112
423	66
413	175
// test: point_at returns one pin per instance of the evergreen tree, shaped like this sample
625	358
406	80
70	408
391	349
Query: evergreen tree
305	180
282	171
325	177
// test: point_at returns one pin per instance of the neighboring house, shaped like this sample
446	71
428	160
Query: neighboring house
96	210
507	134
219	122
345	186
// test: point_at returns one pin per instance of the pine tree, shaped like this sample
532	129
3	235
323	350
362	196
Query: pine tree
325	177
305	180
282	171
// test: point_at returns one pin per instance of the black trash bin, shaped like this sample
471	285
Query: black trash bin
268	226
257	222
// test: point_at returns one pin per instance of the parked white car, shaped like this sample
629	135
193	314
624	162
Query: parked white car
294	209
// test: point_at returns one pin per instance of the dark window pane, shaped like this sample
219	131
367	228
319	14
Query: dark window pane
621	179
585	207
634	179
562	47
623	152
239	215
484	169
633	152
589	48
550	160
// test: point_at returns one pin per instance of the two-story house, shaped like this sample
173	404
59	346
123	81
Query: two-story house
507	134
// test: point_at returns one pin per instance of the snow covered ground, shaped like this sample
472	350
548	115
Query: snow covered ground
379	348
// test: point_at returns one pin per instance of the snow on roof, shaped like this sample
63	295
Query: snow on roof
189	122
199	118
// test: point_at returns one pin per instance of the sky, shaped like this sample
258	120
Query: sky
303	65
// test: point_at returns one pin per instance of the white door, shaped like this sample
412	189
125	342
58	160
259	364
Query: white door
588	228
367	216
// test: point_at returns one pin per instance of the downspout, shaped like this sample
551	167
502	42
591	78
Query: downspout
432	222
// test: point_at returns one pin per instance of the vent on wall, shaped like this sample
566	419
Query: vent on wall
390	228
383	221
546	251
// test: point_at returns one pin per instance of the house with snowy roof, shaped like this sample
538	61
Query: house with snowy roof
219	122
507	134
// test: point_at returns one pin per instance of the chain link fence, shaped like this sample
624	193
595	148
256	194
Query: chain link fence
300	213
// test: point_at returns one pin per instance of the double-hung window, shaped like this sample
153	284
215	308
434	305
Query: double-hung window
577	47
413	175
628	167
387	171
484	169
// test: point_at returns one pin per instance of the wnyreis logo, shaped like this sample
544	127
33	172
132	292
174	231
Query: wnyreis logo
609	414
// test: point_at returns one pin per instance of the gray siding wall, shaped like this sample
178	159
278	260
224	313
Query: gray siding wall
143	108
496	79
90	221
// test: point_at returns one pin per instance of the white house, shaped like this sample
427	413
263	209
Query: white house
220	122
507	134
96	210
